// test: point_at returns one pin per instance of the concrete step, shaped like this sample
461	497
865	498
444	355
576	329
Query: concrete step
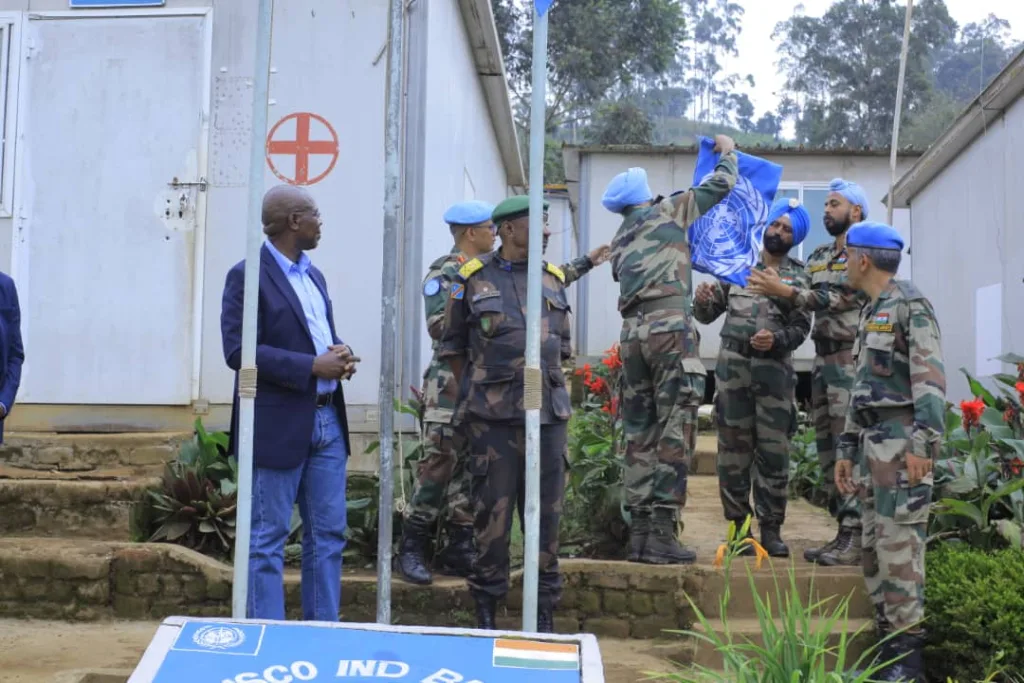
87	452
93	505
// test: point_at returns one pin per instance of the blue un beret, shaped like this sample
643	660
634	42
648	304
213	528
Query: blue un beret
468	213
851	192
874	236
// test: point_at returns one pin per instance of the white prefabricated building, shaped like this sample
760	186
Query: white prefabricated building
123	195
806	175
964	199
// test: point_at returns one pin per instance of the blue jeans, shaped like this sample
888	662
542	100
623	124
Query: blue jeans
319	487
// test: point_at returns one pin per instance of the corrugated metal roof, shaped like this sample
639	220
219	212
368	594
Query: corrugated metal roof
774	150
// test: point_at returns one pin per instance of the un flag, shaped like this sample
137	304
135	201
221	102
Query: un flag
726	241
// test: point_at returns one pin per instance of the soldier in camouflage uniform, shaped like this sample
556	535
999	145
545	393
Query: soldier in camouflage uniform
442	479
836	308
663	377
756	382
892	436
484	339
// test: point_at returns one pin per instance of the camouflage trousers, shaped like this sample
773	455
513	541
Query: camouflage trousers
441	478
662	388
895	519
756	419
497	463
831	384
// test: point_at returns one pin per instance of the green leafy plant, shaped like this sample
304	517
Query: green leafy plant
196	503
795	636
978	480
596	522
806	479
975	618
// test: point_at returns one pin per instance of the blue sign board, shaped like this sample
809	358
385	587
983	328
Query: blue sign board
96	4
207	651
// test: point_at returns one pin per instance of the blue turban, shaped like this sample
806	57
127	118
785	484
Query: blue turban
798	216
874	236
853	193
468	213
627	189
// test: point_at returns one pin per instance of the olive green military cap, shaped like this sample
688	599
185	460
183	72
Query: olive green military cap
513	207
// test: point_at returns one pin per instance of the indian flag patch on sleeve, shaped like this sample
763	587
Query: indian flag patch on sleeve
882	319
530	654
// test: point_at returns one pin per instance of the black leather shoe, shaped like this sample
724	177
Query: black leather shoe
485	609
411	561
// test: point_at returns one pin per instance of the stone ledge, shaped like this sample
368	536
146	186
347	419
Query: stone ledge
85	452
50	578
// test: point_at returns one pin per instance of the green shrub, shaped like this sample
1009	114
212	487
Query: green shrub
975	610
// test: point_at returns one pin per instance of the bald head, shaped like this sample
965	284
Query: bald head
280	204
291	219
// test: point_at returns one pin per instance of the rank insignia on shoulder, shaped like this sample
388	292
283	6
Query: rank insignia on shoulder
557	272
432	287
458	290
470	267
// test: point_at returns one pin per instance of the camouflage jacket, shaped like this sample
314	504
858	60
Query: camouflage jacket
898	356
651	250
440	392
485	324
750	313
835	304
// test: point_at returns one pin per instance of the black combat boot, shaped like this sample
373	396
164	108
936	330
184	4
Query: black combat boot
771	540
638	530
663	546
486	605
908	650
457	557
412	564
545	619
812	554
847	551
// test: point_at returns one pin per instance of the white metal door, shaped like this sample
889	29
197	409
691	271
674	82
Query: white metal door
110	207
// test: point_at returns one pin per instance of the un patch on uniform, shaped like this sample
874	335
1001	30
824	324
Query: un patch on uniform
432	287
458	290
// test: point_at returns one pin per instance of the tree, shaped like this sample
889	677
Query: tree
595	47
966	67
769	124
843	68
621	123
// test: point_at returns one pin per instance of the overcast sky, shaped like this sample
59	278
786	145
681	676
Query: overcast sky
757	51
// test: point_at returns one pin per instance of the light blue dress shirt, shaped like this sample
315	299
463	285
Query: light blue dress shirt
313	305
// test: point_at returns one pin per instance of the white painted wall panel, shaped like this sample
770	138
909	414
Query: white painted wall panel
106	282
967	237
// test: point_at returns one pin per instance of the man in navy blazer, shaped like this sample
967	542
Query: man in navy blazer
12	355
300	438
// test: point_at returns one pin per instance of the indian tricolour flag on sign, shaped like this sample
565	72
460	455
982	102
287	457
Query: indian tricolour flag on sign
529	654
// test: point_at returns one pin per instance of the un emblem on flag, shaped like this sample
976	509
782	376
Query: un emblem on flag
218	637
730	234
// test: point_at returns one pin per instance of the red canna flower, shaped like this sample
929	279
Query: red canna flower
598	386
972	411
1009	415
1020	390
1016	466
611	359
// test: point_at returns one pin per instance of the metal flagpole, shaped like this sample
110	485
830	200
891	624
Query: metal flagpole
389	299
899	110
247	371
533	381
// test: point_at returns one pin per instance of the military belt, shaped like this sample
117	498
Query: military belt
744	348
870	416
665	303
828	347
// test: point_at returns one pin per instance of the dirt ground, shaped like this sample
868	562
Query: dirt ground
38	651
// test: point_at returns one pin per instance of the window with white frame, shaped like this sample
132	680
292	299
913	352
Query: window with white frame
10	23
812	196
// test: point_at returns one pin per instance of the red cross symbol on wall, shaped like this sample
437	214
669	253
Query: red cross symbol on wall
302	147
